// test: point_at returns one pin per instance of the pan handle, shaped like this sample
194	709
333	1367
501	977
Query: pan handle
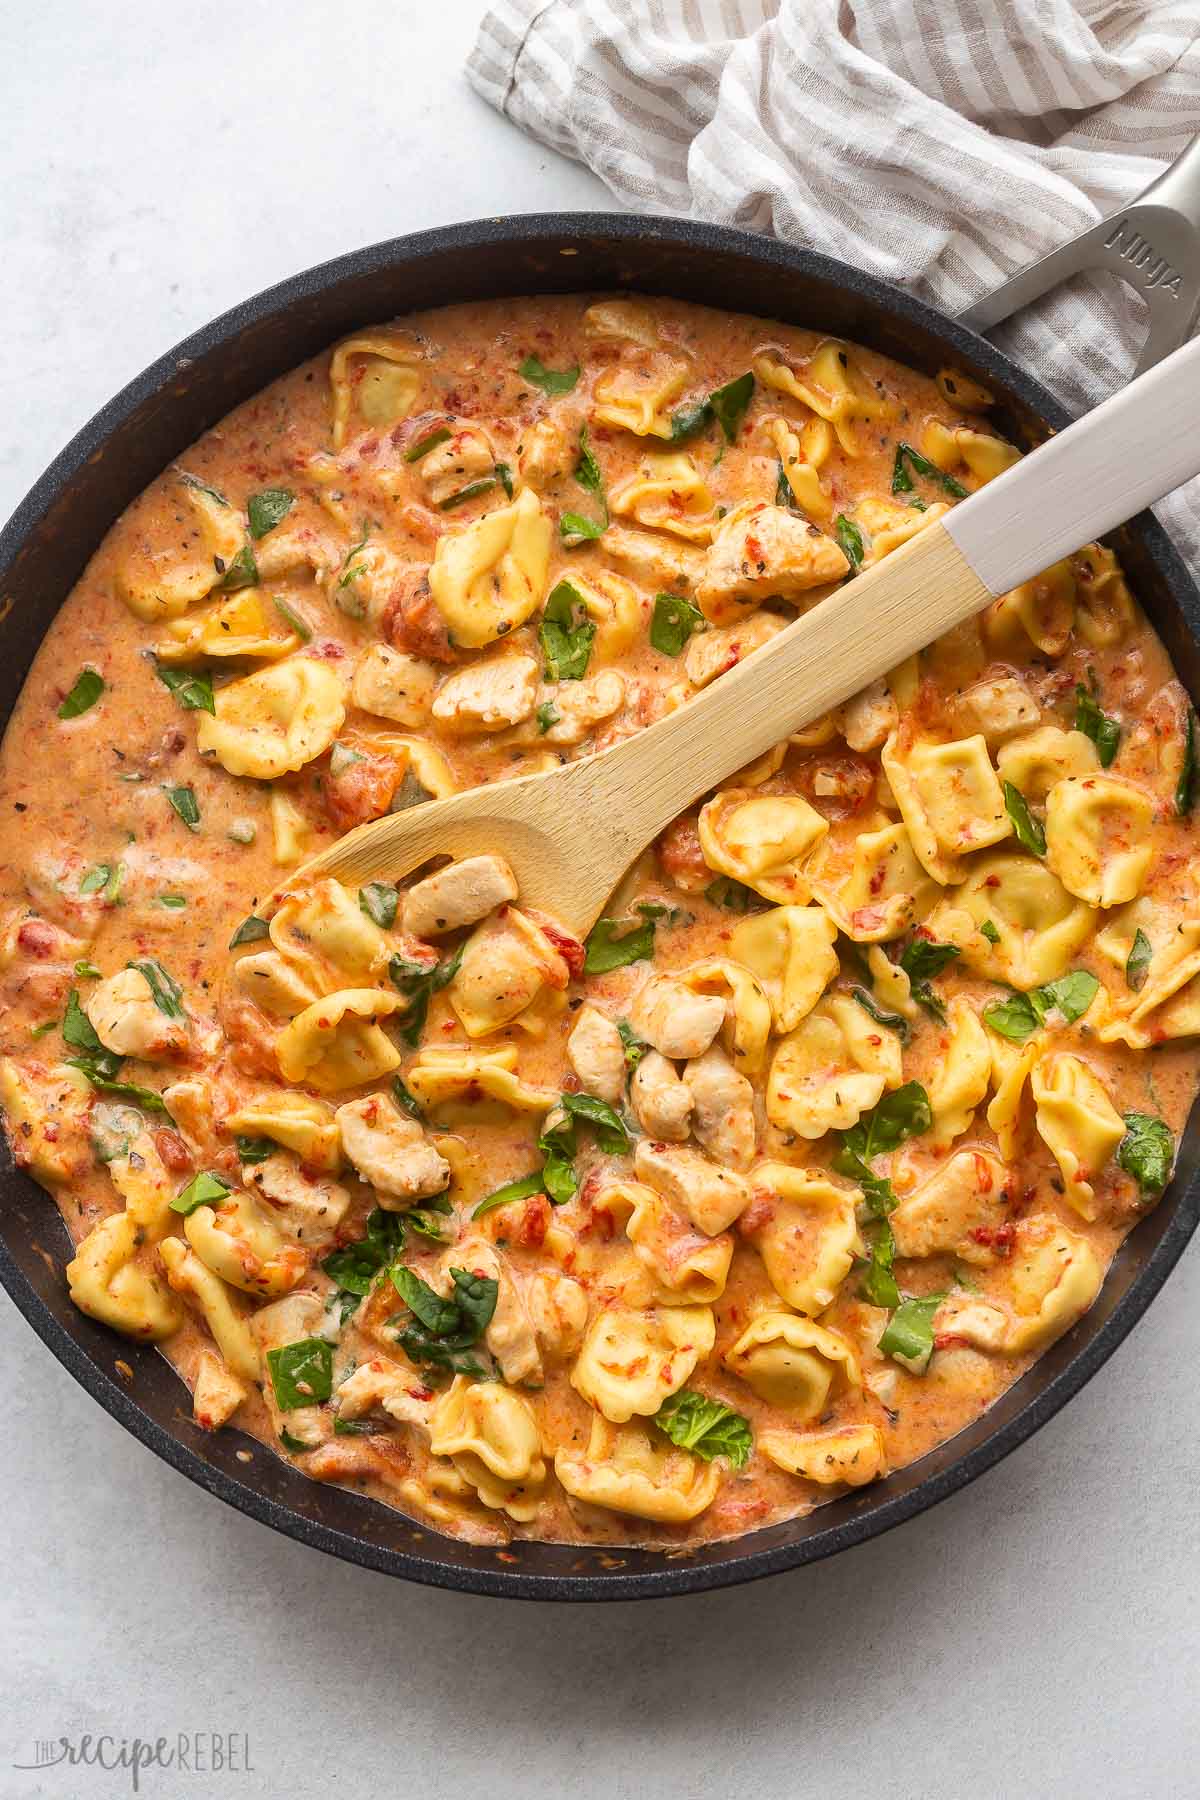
1153	244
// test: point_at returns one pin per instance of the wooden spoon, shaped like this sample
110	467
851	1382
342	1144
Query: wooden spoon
570	833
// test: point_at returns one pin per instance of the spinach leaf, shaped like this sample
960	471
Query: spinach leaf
921	960
910	462
250	931
1019	1016
728	404
406	1100
79	1032
440	435
1030	833
551	381
635	1049
672	623
908	1335
254	1149
379	900
476	1297
547	715
202	1190
878	1285
706	1427
103	879
1012	1018
783	487
900	1115
242	571
988	930
573	527
419	982
522	1189
1147	1152
184	802
615	943
439	1316
850	538
1185	787
301	1373
265	510
191	687
566	634
442	1332
411	792
1137	963
168	995
472	491
611	1133
1105	732
89	685
292	618
733	895
355	1266
892	1021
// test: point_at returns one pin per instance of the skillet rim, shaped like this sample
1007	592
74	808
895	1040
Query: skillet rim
733	1561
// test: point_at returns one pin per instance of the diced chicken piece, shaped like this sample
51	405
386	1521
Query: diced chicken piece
711	1197
460	894
579	705
674	1020
384	1386
961	1211
661	1101
558	1309
713	653
128	1020
767	551
510	1335
217	1393
659	563
449	467
548	450
394	685
722	1108
309	1211
598	1055
488	696
391	1152
1000	708
868	720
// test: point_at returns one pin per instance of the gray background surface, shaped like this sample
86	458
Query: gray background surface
1037	1635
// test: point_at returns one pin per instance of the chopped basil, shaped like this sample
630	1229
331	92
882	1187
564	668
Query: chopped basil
168	995
379	900
201	1190
265	510
191	687
89	685
250	931
672	623
429	442
615	943
39	1031
892	1021
295	1444
1019	1016
254	1149
574	527
903	1114
634	1048
1105	732
203	487
706	1427
921	960
1137	963
504	476
850	538
172	902
355	1427
566	634
301	1373
419	982
521	1189
99	1066
472	491
733	895
290	616
902	476
79	1032
551	381
908	1335
547	715
1185	787
242	571
406	1100
105	879
184	802
354	1267
988	930
689	420
783	487
86	969
1030	833
728	404
1147	1152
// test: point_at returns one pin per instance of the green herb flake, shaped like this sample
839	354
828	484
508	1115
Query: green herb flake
254	1149
504	476
89	685
729	404
406	1100
429	442
672	623
472	491
379	900
565	634
851	540
689	420
171	902
706	1427
168	995
86	970
183	801
1147	1152
988	930
105	879
242	571
632	1044
783	487
251	930
921	960
551	381
301	1373
910	462
908	1335
547	715
419	982
1030	833
192	688
1105	732
267	509
615	943
1137	963
202	1190
522	1189
292	618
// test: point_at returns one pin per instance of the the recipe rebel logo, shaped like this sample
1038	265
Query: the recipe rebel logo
204	1753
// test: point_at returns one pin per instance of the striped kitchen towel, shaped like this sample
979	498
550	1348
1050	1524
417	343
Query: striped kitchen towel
941	143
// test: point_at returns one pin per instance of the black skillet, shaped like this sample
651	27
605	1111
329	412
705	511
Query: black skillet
43	550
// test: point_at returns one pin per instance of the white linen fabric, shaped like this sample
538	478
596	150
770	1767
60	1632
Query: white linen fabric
941	143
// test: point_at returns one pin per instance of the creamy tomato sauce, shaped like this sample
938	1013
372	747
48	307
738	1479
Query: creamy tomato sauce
840	1115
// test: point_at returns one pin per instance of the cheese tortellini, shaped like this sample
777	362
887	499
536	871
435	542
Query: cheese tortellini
794	1364
808	1234
833	1068
763	841
487	578
268	724
630	1362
